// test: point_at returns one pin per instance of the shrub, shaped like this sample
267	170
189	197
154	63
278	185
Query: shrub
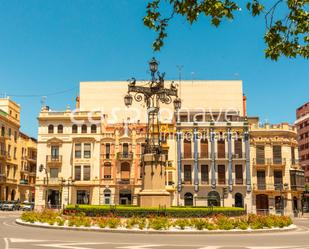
224	223
199	224
102	222
113	222
134	211
159	223
182	223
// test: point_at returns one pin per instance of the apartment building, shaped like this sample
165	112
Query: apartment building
302	124
277	177
17	155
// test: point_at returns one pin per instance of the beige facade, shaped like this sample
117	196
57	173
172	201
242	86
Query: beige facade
17	156
278	180
93	154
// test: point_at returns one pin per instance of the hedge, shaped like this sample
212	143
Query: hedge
134	211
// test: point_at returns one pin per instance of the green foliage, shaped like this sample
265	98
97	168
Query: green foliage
113	222
224	223
136	222
182	223
79	221
286	35
133	211
159	223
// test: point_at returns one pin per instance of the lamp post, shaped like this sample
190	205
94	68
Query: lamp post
153	94
41	169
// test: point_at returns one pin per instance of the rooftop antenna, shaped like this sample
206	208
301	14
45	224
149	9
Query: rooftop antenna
43	102
180	67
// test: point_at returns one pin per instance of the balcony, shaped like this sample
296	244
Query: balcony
23	182
125	181
3	154
108	156
187	156
239	181
124	156
270	187
259	162
241	156
277	162
54	160
31	159
2	178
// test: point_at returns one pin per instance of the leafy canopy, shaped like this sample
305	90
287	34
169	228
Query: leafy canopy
287	21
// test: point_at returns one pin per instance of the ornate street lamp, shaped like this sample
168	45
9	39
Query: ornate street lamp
153	93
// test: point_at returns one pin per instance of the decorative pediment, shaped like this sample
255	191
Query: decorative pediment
54	141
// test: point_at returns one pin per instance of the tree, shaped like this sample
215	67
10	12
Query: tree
286	34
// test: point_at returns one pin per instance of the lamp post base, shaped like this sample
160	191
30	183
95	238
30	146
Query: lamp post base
154	193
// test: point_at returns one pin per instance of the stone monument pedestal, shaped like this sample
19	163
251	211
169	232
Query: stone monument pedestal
153	193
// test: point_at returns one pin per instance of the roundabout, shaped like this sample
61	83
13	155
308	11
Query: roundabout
14	236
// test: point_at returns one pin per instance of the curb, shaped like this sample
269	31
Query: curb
86	229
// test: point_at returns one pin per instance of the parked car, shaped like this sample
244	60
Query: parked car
10	206
27	206
1	204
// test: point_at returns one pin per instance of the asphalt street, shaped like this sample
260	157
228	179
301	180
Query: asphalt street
13	236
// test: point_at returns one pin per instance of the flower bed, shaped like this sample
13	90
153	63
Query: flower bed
217	222
134	211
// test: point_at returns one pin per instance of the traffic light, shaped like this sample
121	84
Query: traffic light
41	168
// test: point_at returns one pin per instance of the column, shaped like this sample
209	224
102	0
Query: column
213	160
230	165
179	163
195	140
248	171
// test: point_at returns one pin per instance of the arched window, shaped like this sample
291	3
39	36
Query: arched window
50	129
84	128
60	128
93	128
188	199
74	128
213	199
239	200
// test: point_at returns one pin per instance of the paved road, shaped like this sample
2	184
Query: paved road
14	236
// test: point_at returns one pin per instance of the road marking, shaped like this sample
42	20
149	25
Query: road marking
69	245
139	247
17	240
6	243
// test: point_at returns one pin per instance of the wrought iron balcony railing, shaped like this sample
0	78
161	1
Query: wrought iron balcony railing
124	155
125	181
54	159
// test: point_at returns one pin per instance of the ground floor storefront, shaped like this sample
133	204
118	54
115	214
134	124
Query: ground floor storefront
287	203
14	192
219	196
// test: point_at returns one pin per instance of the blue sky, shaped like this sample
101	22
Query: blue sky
50	46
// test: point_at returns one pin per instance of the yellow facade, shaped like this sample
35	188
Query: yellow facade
17	152
277	177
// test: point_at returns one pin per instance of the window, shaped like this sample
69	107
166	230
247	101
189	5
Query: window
107	151
107	171
238	175
260	154
221	174
261	181
278	180
221	149
78	150
125	149
93	128
54	172
204	148
2	131
86	173
187	148
107	197
187	174
204	174
15	151
87	150
74	128
77	173
50	129
170	178
54	152
82	197
15	136
293	155
60	128
238	148
125	171
10	132
277	154
84	128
